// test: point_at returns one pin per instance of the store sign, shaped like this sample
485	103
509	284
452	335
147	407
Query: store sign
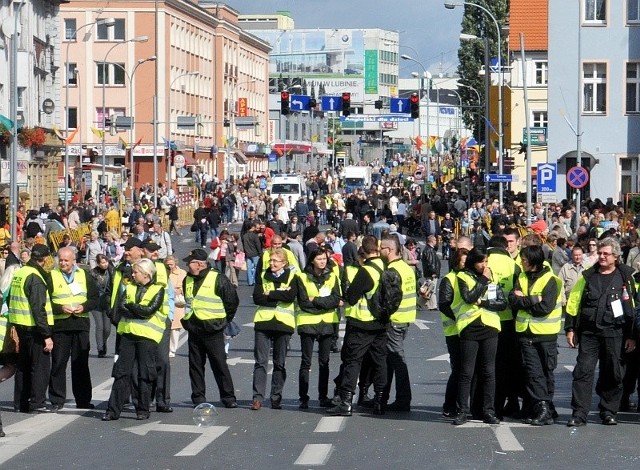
242	107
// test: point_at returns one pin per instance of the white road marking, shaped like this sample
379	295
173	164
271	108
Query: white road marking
207	434
234	361
442	357
314	454
248	324
503	433
570	368
330	424
422	324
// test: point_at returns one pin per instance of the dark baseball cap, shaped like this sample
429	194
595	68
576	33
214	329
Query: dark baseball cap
198	254
131	243
150	245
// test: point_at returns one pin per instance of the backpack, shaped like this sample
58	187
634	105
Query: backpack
386	299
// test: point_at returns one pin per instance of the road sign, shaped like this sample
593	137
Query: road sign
181	172
547	173
498	178
331	103
399	105
178	161
538	135
299	103
577	177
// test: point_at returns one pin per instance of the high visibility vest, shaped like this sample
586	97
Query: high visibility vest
503	269
3	331
162	279
205	305
291	258
350	272
448	325
328	316
468	313
361	311
62	294
152	327
552	322
406	312
283	312
19	309
117	280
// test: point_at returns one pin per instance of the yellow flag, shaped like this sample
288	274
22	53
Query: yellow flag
122	144
99	133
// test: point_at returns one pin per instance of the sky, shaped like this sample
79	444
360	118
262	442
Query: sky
428	31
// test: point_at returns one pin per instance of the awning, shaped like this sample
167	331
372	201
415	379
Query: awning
240	157
291	148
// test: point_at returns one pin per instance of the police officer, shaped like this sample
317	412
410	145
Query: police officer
73	295
364	333
399	322
537	299
600	320
212	302
31	313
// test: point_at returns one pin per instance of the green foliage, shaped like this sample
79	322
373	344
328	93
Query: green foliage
5	135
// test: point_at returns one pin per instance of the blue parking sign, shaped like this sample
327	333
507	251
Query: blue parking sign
547	176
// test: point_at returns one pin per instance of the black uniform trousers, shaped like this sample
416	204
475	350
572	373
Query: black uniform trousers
397	365
540	359
133	349
34	369
201	347
607	350
162	385
632	373
264	340
356	345
74	345
509	369
483	348
451	392
324	350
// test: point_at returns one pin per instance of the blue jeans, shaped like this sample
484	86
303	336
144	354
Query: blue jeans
252	264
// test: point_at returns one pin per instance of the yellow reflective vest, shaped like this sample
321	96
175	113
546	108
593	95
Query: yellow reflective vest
283	312
151	328
503	270
19	309
328	316
291	258
361	309
63	293
468	313
549	324
448	325
350	272
162	279
205	305
406	312
3	331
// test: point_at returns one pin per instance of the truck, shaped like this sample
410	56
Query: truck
286	186
356	177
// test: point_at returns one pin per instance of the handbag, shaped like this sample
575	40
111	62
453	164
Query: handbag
232	329
11	341
240	261
194	227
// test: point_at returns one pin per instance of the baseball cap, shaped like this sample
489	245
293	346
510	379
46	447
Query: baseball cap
150	245
131	243
198	254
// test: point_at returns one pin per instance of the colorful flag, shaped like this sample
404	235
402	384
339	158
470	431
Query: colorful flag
419	143
137	143
72	136
6	122
57	132
432	141
99	133
122	144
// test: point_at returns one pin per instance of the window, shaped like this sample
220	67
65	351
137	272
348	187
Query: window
633	11
541	72
107	112
594	88
633	87
20	97
595	11
70	29
539	119
110	74
111	32
72	118
72	79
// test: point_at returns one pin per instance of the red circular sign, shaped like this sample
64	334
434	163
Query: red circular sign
577	177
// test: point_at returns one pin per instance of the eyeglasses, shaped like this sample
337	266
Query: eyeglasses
276	261
600	253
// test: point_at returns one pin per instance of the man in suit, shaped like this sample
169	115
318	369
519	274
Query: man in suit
431	226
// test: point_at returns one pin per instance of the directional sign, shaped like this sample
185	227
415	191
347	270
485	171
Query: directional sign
547	173
299	102
577	177
399	105
498	178
377	118
331	103
207	435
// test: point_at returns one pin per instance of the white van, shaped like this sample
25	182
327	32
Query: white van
288	185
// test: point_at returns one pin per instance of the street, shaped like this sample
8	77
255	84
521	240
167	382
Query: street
293	438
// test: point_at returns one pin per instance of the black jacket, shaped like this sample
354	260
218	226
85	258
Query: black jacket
75	323
350	254
223	289
36	291
274	297
319	304
445	297
430	262
361	284
251	244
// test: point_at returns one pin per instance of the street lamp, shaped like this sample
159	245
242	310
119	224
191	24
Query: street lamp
107	22
104	83
450	6
193	74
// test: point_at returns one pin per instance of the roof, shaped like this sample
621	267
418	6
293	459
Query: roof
531	18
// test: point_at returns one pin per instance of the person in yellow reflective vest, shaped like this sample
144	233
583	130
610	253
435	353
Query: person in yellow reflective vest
478	325
277	242
449	301
30	312
74	295
318	300
399	322
141	326
537	301
275	293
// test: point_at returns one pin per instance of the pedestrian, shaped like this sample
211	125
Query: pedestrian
102	276
252	250
599	322
176	276
431	269
274	293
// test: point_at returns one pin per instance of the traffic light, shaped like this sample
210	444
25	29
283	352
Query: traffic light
523	148
226	123
378	104
110	124
414	105
346	104
312	104
284	103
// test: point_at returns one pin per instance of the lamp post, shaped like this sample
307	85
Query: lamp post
108	22
450	6
104	83
193	74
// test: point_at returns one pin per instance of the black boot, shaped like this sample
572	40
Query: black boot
378	404
363	397
345	406
2	434
543	415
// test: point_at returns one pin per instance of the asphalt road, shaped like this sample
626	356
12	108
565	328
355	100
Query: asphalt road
292	438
